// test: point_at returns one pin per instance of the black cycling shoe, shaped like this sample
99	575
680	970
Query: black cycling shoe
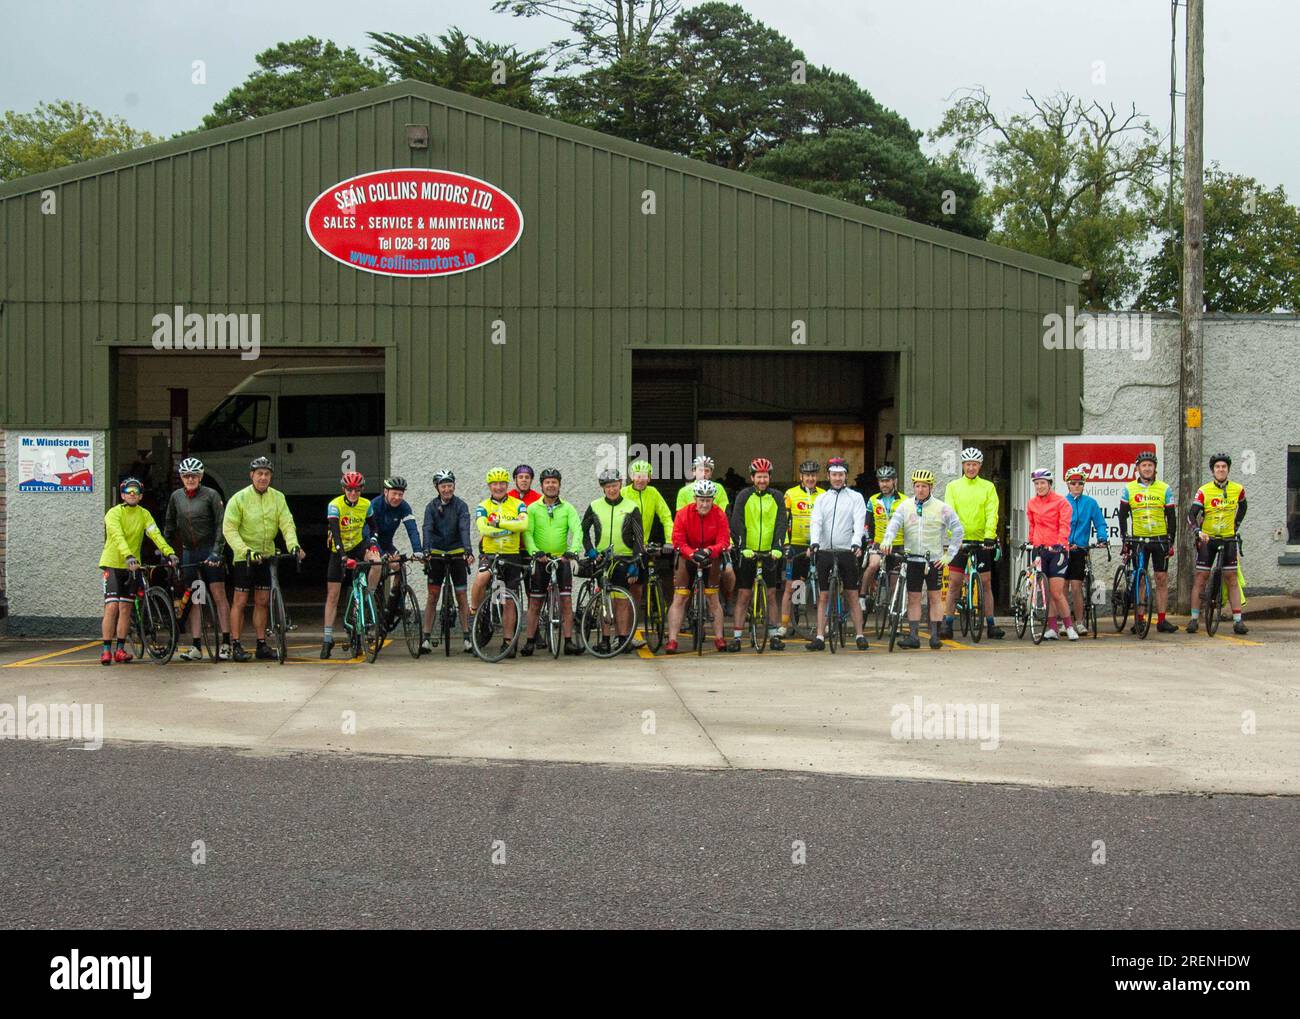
945	632
816	644
776	644
325	648
733	644
996	632
628	646
935	640
1193	625
1165	626
861	641
909	642
265	654
570	647
238	653
527	649
1240	627
509	654
602	646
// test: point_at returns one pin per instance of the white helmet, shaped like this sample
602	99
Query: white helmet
972	455
703	461
705	487
190	465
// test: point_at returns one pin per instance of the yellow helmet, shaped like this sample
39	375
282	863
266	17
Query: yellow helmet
923	476
497	474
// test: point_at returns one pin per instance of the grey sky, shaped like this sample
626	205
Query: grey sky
133	59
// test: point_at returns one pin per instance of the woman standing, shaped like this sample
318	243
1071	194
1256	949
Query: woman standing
1049	533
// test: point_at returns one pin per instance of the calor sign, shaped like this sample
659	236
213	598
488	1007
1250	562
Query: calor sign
414	222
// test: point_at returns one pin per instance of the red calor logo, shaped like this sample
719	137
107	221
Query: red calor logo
1105	461
414	222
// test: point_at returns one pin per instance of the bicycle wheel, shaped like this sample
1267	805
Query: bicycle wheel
209	628
701	608
598	619
897	605
412	623
834	624
1119	599
656	615
881	601
974	609
278	626
446	617
1038	608
489	622
159	625
1212	599
1146	600
963	602
1090	604
758	616
369	631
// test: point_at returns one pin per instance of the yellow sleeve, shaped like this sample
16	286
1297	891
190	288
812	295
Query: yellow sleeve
230	527
519	524
287	527
116	536
665	517
155	535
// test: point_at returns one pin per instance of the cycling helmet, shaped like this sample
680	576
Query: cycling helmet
1076	472
761	463
126	483
703	461
551	472
353	479
524	469
641	467
396	481
810	467
442	476
190	465
1220	458
260	463
705	487
1146	454
923	476
886	471
608	476
497	474
972	455
1041	474
837	463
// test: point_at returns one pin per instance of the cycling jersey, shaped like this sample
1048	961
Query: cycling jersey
924	526
552	529
686	496
1146	504
758	520
194	521
1086	517
347	523
528	498
799	506
383	521
124	530
446	525
652	505
1221	508
505	536
695	531
975	501
880	507
1049	519
612	523
252	521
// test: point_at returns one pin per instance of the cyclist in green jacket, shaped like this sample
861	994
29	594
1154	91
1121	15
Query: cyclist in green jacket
125	526
254	516
554	532
758	526
975	501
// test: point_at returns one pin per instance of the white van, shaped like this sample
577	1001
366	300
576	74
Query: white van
306	420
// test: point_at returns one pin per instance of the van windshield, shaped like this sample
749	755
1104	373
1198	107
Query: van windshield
236	421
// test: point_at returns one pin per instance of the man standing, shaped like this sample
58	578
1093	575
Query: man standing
758	526
553	533
975	501
838	520
1150	504
926	523
448	555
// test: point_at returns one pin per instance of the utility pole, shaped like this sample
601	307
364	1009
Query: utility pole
1191	371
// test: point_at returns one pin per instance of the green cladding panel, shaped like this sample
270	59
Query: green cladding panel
214	222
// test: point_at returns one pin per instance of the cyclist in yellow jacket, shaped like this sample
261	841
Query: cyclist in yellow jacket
975	501
1217	512
125	526
501	519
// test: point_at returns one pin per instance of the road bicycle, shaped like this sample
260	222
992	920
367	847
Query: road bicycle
1135	585
757	616
896	615
361	614
1212	595
445	612
803	603
490	614
968	606
153	616
197	593
655	611
697	605
595	611
883	589
837	605
1091	590
550	617
399	604
1029	603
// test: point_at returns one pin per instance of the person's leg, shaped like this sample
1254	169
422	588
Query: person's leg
1076	599
108	628
712	584
237	603
986	596
956	581
681	591
261	610
332	591
481	581
1162	594
431	596
850	568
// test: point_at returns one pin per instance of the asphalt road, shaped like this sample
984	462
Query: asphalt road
105	838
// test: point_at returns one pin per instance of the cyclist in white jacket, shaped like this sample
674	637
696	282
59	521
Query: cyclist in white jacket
926	523
836	535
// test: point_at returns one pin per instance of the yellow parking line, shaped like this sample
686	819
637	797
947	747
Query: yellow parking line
1239	640
53	654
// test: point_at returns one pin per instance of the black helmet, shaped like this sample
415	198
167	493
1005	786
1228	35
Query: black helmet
396	481
1146	454
608	476
810	467
1219	457
551	472
260	463
886	471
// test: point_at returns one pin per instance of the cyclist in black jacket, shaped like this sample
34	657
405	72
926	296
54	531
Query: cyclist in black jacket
193	527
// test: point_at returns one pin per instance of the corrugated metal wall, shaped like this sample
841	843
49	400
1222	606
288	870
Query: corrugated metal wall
723	261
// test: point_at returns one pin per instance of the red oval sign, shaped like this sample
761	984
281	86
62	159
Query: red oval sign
414	222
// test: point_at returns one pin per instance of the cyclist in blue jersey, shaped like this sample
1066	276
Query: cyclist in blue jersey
383	518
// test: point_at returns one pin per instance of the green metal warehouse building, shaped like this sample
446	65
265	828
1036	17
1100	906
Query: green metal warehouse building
650	300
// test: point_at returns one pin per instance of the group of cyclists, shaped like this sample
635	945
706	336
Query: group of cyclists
522	531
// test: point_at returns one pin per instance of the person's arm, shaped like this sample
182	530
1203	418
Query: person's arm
665	517
1196	511
1241	511
590	523
782	524
722	539
893	527
169	518
860	518
520	523
815	522
428	525
230	524
218	513
1124	510
155	535
1099	522
369	535
738	519
634	532
462	524
1171	515
481	521
335	528
991	513
572	530
287	526
682	533
530	538
1063	523
955	529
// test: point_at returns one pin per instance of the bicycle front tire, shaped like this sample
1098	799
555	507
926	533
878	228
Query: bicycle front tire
490	619
159	630
279	624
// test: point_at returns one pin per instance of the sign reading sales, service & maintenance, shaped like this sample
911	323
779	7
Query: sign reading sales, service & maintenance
414	222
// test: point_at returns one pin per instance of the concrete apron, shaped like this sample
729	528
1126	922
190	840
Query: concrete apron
1111	714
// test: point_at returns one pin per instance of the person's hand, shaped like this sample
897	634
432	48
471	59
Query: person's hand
494	519
591	554
211	561
777	553
300	552
813	549
132	563
667	548
747	553
1201	537
701	555
990	543
173	560
350	563
258	557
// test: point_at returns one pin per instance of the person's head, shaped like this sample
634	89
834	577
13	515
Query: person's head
551	483
760	473
703	467
394	490
132	491
191	471
837	469
887	478
445	483
704	490
498	482
523	478
259	473
1146	465
809	472
922	484
1220	464
640	471
1042	479
352	483
611	483
1075	478
971	461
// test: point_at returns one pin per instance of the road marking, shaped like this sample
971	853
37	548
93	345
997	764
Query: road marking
1239	640
54	654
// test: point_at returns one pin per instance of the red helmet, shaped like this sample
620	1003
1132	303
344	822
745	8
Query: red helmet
761	463
353	479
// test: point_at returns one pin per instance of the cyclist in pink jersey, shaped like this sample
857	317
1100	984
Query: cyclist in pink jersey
1049	515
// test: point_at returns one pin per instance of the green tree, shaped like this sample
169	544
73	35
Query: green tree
1252	251
464	64
293	74
59	134
1070	181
